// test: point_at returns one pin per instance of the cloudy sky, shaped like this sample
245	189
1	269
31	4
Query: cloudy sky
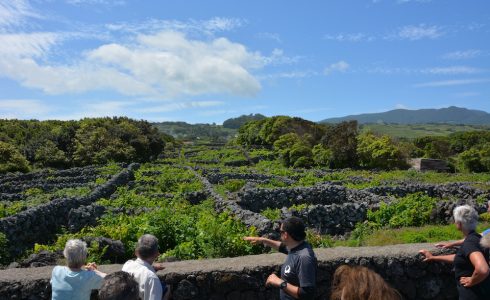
206	61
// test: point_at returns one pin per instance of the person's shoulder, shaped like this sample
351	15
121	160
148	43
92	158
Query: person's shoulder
129	264
306	249
57	272
473	238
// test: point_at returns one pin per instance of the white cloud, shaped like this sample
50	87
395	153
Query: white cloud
15	12
222	24
277	57
454	70
418	32
152	26
22	108
290	75
340	66
167	64
452	82
350	37
27	44
466	54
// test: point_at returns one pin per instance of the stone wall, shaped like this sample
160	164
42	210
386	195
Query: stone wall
244	277
40	224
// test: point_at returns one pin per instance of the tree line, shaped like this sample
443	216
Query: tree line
302	143
25	144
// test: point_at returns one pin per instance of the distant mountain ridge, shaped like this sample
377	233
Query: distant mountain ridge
449	115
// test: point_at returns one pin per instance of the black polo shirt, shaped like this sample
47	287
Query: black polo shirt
464	268
299	269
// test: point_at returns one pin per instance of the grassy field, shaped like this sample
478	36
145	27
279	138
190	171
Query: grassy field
411	131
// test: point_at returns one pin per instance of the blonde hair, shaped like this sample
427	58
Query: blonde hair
360	283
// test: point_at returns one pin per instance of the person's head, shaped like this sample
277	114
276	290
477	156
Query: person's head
485	241
75	253
294	228
465	218
147	247
360	283
119	286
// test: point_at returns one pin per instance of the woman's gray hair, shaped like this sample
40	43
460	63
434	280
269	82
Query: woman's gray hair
147	246
75	253
467	216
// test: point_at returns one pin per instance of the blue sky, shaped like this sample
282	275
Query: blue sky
206	61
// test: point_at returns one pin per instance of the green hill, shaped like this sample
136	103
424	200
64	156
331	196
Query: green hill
449	115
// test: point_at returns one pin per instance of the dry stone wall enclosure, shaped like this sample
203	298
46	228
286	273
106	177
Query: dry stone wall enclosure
332	207
40	223
244	277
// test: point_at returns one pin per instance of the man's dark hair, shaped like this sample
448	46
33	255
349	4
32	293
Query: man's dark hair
295	227
119	286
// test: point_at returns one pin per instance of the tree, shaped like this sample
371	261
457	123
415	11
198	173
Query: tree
300	155
235	123
322	156
434	146
11	160
48	155
267	131
342	140
470	160
379	152
283	147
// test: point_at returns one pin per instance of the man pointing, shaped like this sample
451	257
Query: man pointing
298	273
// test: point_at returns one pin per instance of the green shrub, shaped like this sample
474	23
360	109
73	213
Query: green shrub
317	240
234	185
4	255
485	217
273	214
412	210
11	160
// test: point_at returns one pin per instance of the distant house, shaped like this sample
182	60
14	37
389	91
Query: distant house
429	164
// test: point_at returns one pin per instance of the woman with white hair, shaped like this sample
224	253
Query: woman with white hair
460	242
470	261
75	281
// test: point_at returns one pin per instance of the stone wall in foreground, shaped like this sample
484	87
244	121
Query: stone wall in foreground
243	277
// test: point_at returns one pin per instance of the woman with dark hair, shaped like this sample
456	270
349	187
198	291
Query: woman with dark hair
360	283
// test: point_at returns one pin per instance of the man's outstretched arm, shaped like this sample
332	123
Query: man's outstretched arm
264	241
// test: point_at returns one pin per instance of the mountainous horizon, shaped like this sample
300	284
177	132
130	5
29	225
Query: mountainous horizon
448	115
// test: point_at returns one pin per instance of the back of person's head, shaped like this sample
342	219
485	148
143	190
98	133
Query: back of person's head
360	283
75	253
119	286
295	227
147	246
466	216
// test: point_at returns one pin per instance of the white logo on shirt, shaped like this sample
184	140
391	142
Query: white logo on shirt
287	270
